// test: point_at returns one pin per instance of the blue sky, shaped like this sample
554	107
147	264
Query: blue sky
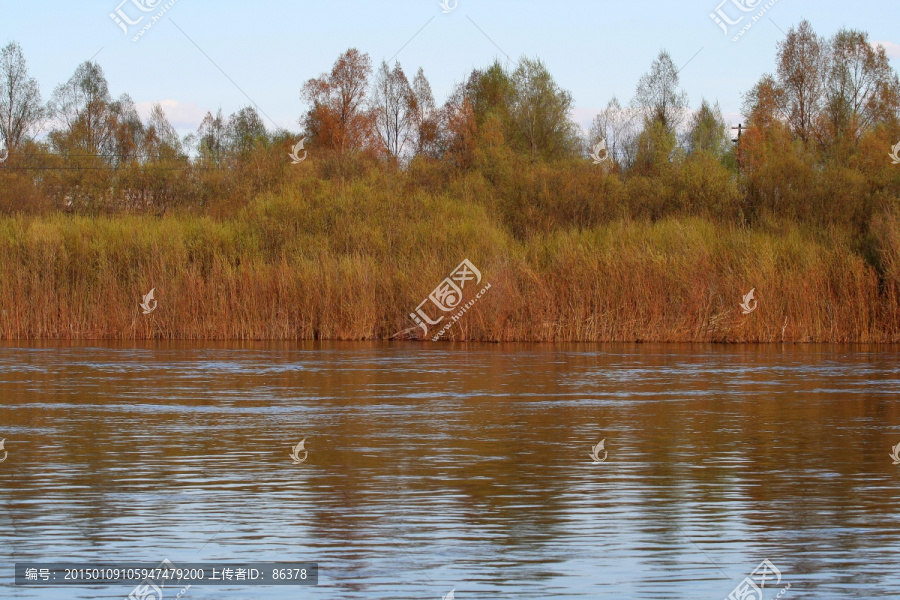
595	49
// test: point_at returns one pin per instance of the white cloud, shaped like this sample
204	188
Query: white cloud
891	49
183	115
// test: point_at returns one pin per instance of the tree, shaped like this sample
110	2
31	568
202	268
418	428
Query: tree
802	59
245	130
655	148
540	112
708	131
161	141
338	118
128	134
423	116
491	93
82	106
658	97
615	126
762	103
458	128
21	112
393	100
861	88
212	137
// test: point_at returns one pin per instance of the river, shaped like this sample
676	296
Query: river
433	467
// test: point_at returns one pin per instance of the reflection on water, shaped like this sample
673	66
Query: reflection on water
443	466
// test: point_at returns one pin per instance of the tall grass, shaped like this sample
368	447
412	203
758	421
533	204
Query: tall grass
331	260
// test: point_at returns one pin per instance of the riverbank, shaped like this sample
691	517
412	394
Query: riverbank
290	267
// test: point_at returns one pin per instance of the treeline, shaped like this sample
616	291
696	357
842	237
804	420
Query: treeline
814	149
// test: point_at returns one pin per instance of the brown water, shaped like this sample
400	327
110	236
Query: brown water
434	467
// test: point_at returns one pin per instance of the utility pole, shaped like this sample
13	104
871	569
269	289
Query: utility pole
737	141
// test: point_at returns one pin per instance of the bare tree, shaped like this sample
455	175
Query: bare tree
617	128
658	96
21	111
802	60
861	87
393	99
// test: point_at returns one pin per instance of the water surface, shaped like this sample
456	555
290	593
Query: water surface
434	467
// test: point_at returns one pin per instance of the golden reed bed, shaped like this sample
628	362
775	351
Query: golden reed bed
292	268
